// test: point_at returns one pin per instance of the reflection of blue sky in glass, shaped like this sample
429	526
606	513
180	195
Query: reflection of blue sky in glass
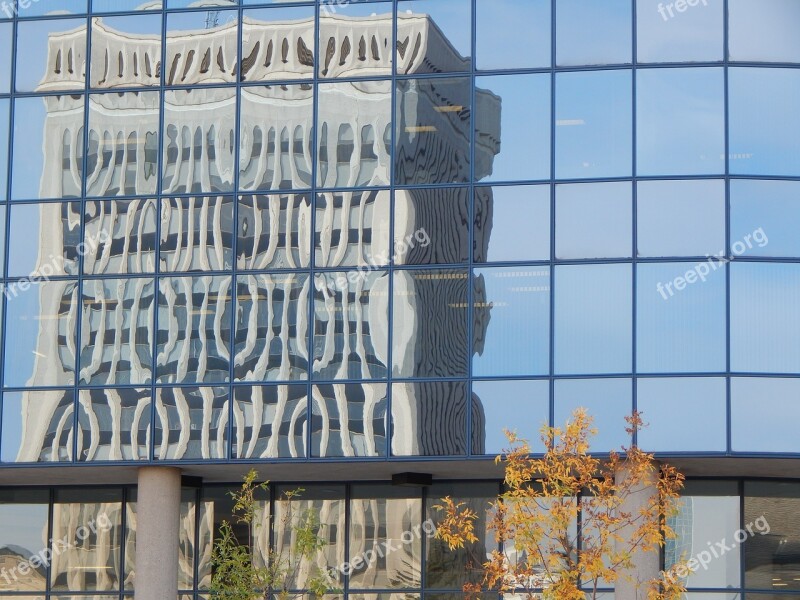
178	23
5	57
766	30
520	213
594	220
25	236
124	5
137	24
38	8
693	35
665	404
593	319
764	121
764	414
4	126
589	32
199	3
513	34
24	524
594	124
686	331
521	406
453	17
608	402
681	218
518	337
32	45
773	206
29	123
524	126
765	321
680	120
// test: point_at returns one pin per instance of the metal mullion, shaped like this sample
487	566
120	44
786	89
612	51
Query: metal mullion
634	187
552	183
726	109
470	310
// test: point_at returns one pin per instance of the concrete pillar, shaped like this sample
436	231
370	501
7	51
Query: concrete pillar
632	584
158	515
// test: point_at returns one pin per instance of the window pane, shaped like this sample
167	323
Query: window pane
431	226
52	7
593	220
593	124
680	317
430	323
196	234
593	33
41	435
44	240
765	216
266	36
764	121
680	218
430	419
368	48
51	54
191	423
680	121
765	323
120	236
771	508
124	5
511	321
185	65
6	40
764	413
689	31
506	41
524	116
763	30
504	215
448	43
348	420
270	421
664	404
708	512
113	38
24	534
593	314
607	401
503	403
114	424
5	108
274	232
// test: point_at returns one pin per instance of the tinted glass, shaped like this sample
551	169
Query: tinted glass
24	515
114	424
448	23
594	220
349	420
44	239
6	42
430	418
503	402
192	59
277	43
113	68
762	413
367	50
431	226
191	423
51	54
763	30
274	232
593	33
608	401
270	421
120	236
765	216
690	31
506	214
197	234
504	41
50	440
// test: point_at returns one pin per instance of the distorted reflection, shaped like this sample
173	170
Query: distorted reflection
348	420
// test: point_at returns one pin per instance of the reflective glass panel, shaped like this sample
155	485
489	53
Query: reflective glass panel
275	142
519	406
5	109
680	218
117	331
682	31
380	517
120	236
511	329
6	42
24	534
270	421
664	404
445	26
31	8
114	424
126	51
680	311
506	41
594	124
348	420
594	220
352	229
430	419
274	232
506	214
763	414
41	319
771	509
51	54
271	328
92	518
202	47
593	319
432	124
764	121
38	426
44	239
765	324
763	30
363	47
191	423
199	140
430	323
765	217
608	402
680	121
593	33
122	156
197	234
193	335
707	513
277	43
431	226
124	5
48	147
516	130
350	325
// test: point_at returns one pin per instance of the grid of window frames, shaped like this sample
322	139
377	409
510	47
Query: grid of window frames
267	230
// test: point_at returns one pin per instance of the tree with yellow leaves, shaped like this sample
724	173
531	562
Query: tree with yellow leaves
569	523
